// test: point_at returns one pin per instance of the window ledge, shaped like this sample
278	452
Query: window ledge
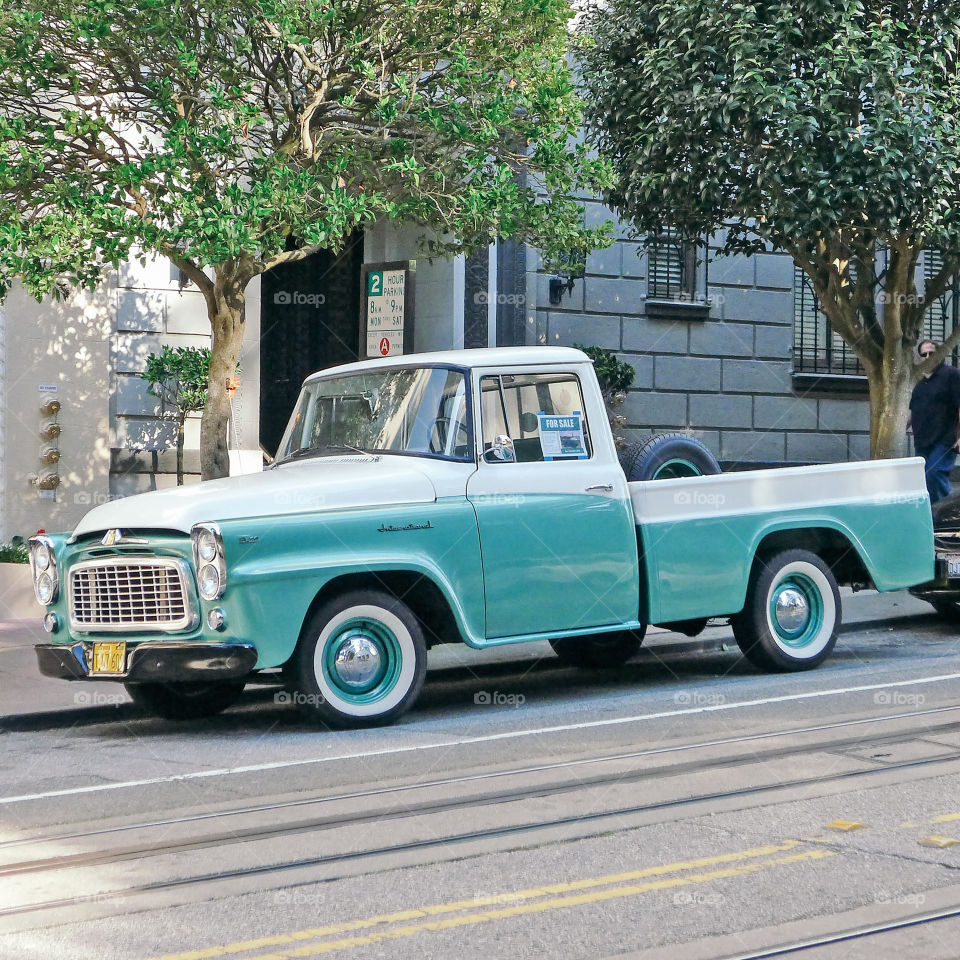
679	309
807	382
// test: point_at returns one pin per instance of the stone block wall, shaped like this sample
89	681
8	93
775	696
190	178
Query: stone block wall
726	379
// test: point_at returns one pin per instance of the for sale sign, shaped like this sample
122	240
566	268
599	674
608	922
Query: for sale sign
386	312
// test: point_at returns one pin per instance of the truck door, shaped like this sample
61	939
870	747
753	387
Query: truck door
556	527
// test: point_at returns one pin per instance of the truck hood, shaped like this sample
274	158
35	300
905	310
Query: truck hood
324	483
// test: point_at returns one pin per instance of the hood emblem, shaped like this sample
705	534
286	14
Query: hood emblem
113	538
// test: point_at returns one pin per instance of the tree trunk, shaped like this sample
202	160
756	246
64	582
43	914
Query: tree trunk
226	310
891	385
180	424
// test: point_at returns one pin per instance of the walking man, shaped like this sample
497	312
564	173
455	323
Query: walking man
935	418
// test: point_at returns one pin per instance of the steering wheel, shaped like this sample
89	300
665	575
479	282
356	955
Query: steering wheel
439	431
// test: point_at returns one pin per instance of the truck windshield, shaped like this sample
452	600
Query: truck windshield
419	410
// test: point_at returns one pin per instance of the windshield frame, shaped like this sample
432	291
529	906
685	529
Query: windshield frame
343	451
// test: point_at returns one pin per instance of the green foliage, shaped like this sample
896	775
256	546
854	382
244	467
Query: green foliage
615	375
14	552
829	129
236	134
178	378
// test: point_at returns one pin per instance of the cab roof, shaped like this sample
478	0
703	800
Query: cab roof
473	357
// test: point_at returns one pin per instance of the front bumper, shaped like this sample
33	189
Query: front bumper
165	662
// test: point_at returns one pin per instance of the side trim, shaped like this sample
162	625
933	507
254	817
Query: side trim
557	634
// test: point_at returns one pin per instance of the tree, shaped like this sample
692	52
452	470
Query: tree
829	129
236	135
178	379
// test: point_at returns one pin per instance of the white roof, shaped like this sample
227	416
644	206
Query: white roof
474	357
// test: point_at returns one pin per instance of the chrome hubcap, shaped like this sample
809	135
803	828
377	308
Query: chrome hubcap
358	661
791	610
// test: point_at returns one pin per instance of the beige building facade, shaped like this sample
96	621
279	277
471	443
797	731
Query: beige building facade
108	438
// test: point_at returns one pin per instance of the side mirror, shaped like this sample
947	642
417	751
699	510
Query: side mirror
501	452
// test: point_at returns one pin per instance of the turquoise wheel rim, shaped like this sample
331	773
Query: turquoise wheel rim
791	629
383	680
676	468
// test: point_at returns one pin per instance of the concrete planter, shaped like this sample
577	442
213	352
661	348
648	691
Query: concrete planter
17	601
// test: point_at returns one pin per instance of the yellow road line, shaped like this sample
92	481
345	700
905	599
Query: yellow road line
456	906
541	906
946	818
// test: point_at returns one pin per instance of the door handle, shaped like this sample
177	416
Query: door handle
603	487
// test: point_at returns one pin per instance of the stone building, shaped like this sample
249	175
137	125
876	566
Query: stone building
731	350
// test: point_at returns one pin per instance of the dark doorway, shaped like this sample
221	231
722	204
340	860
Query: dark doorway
309	319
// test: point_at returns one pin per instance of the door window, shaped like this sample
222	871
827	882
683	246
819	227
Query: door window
541	413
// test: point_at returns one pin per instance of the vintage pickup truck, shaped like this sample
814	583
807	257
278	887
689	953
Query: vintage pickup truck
472	496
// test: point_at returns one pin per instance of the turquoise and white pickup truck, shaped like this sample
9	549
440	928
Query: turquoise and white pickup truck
472	496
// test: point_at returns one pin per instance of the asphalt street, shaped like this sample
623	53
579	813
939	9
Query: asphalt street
684	805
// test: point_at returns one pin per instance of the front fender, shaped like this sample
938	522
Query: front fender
272	581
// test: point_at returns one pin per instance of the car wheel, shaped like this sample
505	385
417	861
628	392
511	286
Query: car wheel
185	700
792	614
668	456
603	650
361	661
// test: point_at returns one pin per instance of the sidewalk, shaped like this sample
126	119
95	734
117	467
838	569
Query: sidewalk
25	693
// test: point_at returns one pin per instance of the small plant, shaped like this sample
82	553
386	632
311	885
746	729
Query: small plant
615	376
14	552
178	379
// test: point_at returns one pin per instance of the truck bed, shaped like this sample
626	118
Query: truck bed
699	535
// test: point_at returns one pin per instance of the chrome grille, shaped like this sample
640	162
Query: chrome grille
135	593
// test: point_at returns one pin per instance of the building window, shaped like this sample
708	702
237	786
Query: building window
676	277
673	268
819	351
816	348
942	314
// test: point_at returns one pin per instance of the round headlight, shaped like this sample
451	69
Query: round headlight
209	581
44	588
41	556
207	546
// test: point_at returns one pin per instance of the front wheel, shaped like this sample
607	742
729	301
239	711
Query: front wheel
792	614
361	661
185	700
603	650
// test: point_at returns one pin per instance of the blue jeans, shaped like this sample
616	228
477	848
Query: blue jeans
938	463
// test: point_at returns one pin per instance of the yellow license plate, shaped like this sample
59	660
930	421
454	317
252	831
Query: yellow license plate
109	657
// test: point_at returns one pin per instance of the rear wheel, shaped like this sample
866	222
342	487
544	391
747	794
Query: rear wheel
668	456
792	614
603	650
185	700
361	661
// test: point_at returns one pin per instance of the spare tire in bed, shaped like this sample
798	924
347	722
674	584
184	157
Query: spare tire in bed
667	456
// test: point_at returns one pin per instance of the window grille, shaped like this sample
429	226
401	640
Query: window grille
818	350
672	267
